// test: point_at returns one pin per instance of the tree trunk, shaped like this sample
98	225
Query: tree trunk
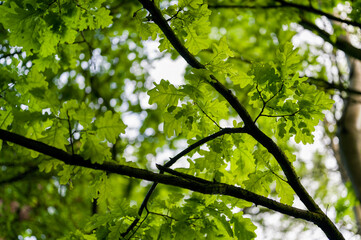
349	134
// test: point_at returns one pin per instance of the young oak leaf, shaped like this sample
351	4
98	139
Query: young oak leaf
221	51
194	42
110	126
94	149
165	94
242	79
35	79
103	17
243	227
284	191
244	162
259	182
84	115
56	136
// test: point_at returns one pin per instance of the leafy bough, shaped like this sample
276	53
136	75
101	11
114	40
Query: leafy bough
249	124
176	179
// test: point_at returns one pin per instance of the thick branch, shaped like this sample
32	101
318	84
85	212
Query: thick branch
250	126
329	228
185	181
158	18
340	43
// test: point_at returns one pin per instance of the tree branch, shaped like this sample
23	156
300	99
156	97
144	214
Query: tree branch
318	12
19	176
174	160
327	85
250	126
186	181
340	43
329	228
227	6
158	18
285	4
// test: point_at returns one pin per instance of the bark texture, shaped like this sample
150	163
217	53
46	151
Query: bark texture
349	134
350	131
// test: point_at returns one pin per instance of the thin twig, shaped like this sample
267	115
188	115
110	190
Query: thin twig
281	116
70	133
208	116
265	102
174	160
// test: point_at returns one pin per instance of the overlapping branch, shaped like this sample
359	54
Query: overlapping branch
180	180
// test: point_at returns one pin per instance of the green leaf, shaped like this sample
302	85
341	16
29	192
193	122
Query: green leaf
244	163
6	117
164	233
56	136
195	42
243	227
221	51
197	29
36	80
65	174
242	79
145	29
94	149
110	126
103	18
285	192
84	115
48	165
165	95
259	182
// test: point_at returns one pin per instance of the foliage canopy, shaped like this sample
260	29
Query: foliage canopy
83	123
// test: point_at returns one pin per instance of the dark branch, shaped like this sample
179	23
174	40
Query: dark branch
174	160
318	12
334	86
285	4
340	42
327	226
186	181
19	176
252	129
227	6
